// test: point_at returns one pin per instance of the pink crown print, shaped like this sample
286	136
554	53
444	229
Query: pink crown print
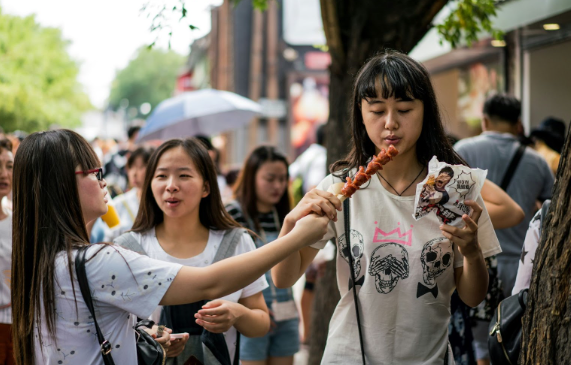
393	236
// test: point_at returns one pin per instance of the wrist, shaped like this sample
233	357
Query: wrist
472	252
289	221
239	313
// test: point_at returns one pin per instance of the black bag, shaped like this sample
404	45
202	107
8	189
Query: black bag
504	342
149	351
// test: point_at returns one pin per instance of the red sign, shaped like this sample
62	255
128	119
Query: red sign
184	82
317	60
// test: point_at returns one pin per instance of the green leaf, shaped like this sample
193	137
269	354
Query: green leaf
468	21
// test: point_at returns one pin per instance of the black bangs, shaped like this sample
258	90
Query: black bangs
398	78
83	153
401	77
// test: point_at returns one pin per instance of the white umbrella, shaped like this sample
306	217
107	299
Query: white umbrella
206	112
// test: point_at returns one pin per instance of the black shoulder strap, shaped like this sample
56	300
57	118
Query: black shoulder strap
86	293
347	222
512	167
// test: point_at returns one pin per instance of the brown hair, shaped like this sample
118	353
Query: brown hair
142	152
245	191
212	214
47	220
402	77
5	144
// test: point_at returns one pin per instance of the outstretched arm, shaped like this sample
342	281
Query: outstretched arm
227	276
287	272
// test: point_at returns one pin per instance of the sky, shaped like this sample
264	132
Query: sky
105	34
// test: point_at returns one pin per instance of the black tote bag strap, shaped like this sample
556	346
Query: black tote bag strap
86	293
512	167
347	221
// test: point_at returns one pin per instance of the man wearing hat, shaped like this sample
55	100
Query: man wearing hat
549	137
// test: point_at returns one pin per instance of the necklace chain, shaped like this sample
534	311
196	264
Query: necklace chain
409	185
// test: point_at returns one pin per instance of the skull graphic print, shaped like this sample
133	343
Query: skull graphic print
437	256
357	248
389	264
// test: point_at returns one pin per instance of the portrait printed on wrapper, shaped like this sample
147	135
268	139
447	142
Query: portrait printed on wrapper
434	190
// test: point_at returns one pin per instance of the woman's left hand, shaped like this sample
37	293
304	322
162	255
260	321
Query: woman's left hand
466	238
164	340
219	316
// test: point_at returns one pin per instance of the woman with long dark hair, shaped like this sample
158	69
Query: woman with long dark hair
182	220
6	169
58	188
262	203
395	297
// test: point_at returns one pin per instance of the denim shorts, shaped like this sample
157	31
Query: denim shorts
282	341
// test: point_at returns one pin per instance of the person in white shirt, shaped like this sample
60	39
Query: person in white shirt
6	168
181	187
127	204
58	188
404	270
311	165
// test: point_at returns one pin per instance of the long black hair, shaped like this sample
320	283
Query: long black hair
402	77
47	220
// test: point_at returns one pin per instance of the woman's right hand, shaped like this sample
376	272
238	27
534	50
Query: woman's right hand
315	201
311	228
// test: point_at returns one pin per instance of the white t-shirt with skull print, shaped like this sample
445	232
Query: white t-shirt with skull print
123	285
404	272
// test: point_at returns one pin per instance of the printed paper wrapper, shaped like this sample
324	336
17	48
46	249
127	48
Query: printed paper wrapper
445	189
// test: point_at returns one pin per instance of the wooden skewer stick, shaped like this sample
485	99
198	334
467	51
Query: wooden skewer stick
347	189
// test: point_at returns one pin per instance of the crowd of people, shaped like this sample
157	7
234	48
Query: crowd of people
213	258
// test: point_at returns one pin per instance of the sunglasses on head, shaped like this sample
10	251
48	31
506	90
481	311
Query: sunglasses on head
98	173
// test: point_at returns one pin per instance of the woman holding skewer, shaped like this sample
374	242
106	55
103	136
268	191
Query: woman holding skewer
58	188
395	291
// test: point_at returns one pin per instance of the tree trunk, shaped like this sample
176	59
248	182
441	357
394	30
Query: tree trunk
546	326
356	30
324	303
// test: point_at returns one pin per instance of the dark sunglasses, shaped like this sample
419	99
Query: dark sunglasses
98	173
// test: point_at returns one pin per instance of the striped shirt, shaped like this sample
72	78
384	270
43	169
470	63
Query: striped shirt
270	231
266	220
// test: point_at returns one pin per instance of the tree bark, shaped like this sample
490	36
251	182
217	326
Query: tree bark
324	303
356	30
546	326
